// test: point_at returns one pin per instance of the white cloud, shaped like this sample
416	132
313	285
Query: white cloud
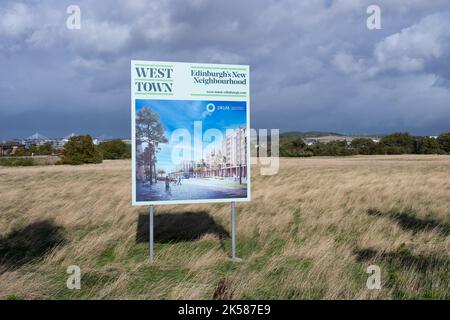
16	21
317	56
346	63
409	50
99	37
87	64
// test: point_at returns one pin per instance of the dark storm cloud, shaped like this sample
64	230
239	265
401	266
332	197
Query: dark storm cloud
315	65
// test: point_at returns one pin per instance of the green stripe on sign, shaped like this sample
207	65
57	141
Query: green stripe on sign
217	95
155	93
153	79
153	65
219	68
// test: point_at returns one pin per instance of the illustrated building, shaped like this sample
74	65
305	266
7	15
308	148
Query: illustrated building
226	160
231	159
236	150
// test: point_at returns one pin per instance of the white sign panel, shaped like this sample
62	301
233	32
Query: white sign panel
190	132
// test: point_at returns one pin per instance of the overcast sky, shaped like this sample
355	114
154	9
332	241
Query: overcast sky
314	64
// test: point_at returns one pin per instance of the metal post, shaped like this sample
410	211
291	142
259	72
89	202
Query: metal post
233	233
151	234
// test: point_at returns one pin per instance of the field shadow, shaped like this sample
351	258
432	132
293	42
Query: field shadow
179	227
409	222
28	244
223	290
402	258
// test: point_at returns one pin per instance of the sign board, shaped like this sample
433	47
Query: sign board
190	132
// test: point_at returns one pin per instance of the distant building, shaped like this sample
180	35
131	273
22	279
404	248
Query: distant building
36	139
56	143
8	148
66	139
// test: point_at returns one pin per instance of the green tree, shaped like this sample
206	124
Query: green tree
399	143
81	149
150	131
427	145
33	150
45	150
292	148
161	172
332	148
115	149
444	141
364	145
22	152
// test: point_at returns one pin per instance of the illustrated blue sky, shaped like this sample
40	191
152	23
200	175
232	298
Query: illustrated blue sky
182	114
314	63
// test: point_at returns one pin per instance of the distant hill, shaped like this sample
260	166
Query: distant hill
294	135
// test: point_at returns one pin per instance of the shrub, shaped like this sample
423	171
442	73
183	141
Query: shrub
427	145
393	144
115	149
444	141
364	145
22	152
45	150
16	162
292	148
333	148
398	143
305	153
81	149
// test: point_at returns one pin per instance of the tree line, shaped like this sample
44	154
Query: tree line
45	149
396	143
81	149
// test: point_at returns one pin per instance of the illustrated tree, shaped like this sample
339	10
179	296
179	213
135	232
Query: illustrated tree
149	130
218	161
161	172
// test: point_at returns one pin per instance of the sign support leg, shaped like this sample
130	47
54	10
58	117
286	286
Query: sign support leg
233	233
151	233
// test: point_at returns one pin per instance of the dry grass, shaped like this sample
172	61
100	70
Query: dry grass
309	232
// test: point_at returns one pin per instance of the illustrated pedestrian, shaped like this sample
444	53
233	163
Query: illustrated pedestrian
167	184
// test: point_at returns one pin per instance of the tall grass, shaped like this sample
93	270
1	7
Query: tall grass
309	232
16	162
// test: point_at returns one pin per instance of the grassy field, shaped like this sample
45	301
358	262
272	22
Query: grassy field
28	161
309	232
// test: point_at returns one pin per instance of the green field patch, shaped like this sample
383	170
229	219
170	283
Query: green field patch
91	282
149	277
106	257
